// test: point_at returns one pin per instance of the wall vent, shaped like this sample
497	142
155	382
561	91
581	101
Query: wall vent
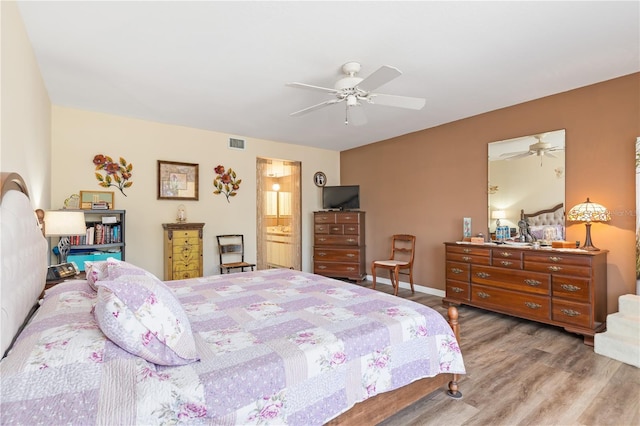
237	143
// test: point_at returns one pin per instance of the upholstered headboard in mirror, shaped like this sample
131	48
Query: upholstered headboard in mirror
23	256
547	224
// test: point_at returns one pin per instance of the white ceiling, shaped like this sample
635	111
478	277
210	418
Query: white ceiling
223	66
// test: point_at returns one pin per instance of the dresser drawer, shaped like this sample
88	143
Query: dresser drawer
458	271
511	259
324	217
336	229
339	268
457	290
572	312
336	255
571	288
347	218
338	240
522	304
526	281
558	259
469	250
321	229
562	269
469	258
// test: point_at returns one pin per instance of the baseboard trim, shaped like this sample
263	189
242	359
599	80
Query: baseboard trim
405	285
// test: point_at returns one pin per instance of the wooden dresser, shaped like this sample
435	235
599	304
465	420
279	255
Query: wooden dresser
566	288
338	244
182	250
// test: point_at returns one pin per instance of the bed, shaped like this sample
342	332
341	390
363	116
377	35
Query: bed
546	225
273	346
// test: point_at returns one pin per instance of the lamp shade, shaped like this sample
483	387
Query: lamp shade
589	212
61	223
498	214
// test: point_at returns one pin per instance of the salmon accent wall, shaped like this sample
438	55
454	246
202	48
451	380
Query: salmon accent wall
425	182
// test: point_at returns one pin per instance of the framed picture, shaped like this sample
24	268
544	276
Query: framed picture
99	200
466	227
177	181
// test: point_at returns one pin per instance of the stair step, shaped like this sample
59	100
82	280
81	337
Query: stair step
618	347
626	325
629	304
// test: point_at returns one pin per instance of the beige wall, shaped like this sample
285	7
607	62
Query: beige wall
424	183
79	135
25	133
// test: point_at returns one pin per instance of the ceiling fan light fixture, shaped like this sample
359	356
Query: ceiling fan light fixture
352	100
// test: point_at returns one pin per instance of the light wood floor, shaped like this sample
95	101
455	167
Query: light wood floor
525	373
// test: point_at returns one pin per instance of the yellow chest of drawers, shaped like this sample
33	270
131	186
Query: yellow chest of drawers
558	287
182	250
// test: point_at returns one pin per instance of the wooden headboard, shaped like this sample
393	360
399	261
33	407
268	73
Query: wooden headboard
23	258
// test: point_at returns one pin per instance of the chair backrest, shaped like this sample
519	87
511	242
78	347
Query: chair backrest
403	247
231	245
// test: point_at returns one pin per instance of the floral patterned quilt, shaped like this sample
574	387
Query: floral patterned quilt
277	347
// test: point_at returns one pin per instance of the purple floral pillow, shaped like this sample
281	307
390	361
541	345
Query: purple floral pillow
96	271
139	313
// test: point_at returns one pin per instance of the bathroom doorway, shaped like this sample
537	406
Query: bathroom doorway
279	227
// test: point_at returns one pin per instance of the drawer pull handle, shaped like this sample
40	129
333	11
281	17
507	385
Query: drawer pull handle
351	240
457	270
457	289
569	287
532	283
555	259
322	254
322	267
322	239
506	254
335	229
506	263
351	229
483	295
466	250
351	269
483	274
555	268
351	255
467	258
570	312
532	305
348	217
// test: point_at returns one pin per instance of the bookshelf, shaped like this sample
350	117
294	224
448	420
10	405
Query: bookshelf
105	237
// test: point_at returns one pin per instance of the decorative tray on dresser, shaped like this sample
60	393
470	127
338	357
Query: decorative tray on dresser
562	287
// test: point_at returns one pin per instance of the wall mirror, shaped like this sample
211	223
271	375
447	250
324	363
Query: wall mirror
526	173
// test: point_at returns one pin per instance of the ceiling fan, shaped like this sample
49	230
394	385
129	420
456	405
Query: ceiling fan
540	149
352	90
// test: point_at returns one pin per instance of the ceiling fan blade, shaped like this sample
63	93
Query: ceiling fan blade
356	116
315	107
521	155
312	87
398	101
381	76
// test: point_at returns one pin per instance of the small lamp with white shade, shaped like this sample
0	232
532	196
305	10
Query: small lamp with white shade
588	212
64	223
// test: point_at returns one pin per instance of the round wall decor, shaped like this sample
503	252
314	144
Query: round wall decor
320	179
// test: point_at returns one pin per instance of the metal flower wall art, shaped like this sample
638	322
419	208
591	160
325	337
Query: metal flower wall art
226	182
115	174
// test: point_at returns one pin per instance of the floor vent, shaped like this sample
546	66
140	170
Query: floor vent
237	143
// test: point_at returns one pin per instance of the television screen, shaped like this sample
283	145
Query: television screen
341	197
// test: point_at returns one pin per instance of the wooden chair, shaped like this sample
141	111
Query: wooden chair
403	248
231	250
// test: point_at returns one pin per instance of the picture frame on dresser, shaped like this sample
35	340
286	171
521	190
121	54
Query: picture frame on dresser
89	199
178	181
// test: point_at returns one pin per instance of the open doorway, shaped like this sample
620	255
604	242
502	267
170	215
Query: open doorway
279	227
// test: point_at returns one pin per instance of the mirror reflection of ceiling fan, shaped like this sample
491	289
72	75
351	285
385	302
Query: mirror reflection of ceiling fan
540	149
353	90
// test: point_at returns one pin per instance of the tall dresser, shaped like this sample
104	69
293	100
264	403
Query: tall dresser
182	250
566	288
338	244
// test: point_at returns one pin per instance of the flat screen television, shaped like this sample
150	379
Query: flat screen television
345	197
